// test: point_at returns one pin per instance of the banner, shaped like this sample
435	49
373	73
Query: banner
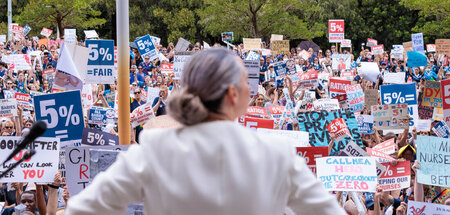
146	47
24	100
422	208
96	137
101	115
255	123
8	107
252	67
71	67
252	44
227	36
347	173
365	124
398	94
42	167
296	138
326	104
416	59
100	66
180	59
370	71
371	97
340	61
335	30
432	94
308	80
355	97
64	117
441	130
379	49
372	42
395	177
280	47
443	46
417	42
339	129
391	116
433	154
310	154
315	124
46	32
431	48
394	77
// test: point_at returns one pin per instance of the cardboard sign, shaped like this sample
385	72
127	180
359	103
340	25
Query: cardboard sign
252	44
398	94
8	107
365	124
355	97
441	130
395	177
96	137
310	154
407	47
280	47
431	48
46	32
346	43
296	138
386	147
24	100
255	123
443	46
419	208
433	154
417	42
252	67
180	59
167	69
432	94
371	97
142	114
227	36
379	49
326	104
308	80
101	115
42	167
372	42
315	124
64	117
275	37
182	45
347	173
339	128
335	30
394	77
391	116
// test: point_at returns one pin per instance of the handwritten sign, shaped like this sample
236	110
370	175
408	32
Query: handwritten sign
443	46
347	173
310	154
280	46
433	154
296	138
417	42
432	94
395	177
355	97
387	147
422	208
252	44
180	59
371	97
391	116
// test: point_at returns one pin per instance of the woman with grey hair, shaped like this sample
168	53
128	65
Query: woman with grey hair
211	165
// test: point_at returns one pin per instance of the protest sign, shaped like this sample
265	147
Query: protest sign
78	166
167	69
445	94
252	67
397	52
379	49
2	38
182	45
337	86
391	116
142	114
425	112
422	208
71	67
101	115
64	117
416	59
15	28
96	137
152	93
395	177
371	97
26	29
9	94
275	37
423	125
8	107
315	124
91	34
346	43
386	147
398	94
227	36
372	42
441	130
308	80
252	56
275	111
370	71
431	48
394	77
310	154
432	94
433	154
340	61
100	67
438	114
180	59
70	36
307	103
280	68
42	167
382	157
280	46
304	54
417	42
87	98
365	124
355	97
353	150
335	30
252	44
443	46
255	123
46	32
49	75
347	173
17	61
326	104
296	138
339	129
258	112
24	100
407	47
146	47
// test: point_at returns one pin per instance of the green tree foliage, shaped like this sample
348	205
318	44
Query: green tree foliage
16	5
258	18
434	17
59	13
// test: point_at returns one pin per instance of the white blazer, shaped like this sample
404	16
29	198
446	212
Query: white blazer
211	168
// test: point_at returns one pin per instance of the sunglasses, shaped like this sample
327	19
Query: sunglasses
137	92
7	127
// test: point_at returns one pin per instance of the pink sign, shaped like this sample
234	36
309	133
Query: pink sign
387	147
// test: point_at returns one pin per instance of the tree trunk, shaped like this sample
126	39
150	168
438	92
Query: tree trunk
59	20
255	25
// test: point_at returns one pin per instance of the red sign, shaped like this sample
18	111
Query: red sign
387	147
339	85
339	128
445	93
22	97
167	68
276	110
377	49
16	29
311	153
48	71
309	79
258	123
375	153
46	32
431	48
336	30
395	177
372	42
341	98
258	112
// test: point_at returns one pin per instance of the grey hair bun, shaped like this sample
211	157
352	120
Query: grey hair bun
187	108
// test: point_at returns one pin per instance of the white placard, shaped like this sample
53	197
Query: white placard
296	138
394	77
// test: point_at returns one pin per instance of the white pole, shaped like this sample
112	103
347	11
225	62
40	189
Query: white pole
9	19
123	65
